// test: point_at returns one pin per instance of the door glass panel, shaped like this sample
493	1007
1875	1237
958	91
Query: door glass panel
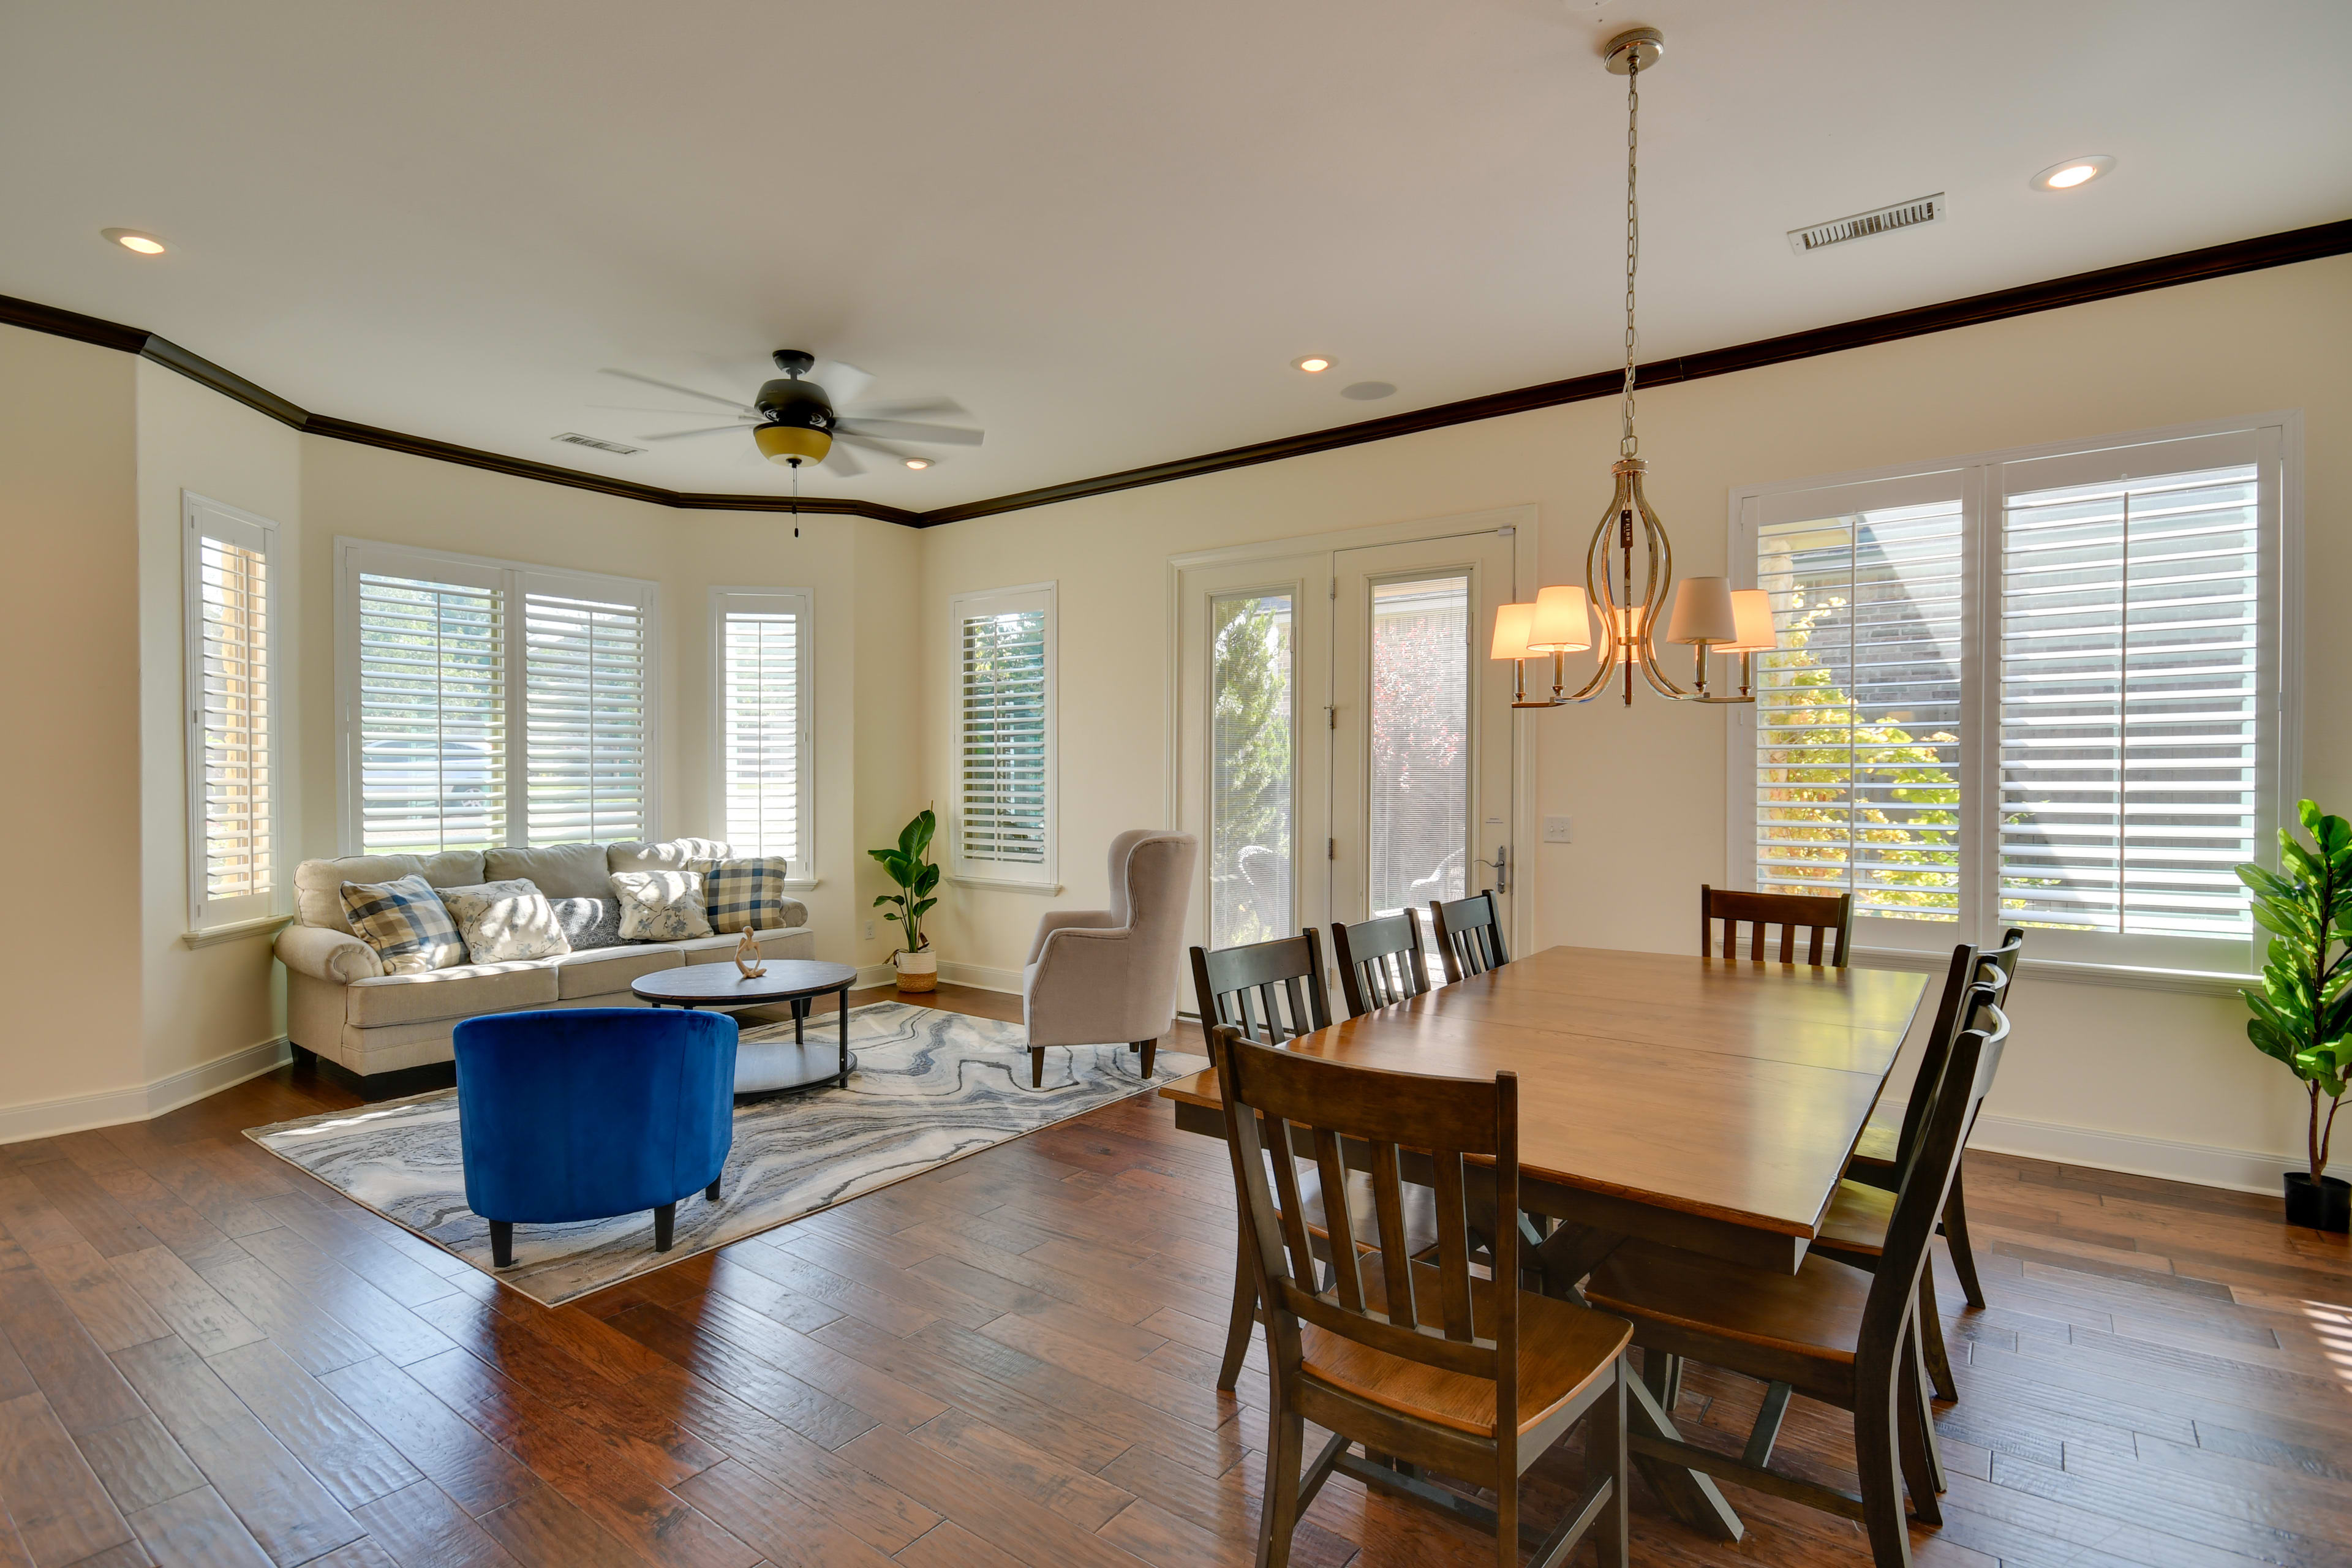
1420	742
1253	734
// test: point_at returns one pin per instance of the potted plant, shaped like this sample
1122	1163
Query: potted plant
2304	1011
910	866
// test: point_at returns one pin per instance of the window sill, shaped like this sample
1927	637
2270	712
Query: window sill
268	925
1003	884
2115	976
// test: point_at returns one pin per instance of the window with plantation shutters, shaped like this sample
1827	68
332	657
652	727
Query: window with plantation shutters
1005	736
230	611
764	733
485	703
2051	687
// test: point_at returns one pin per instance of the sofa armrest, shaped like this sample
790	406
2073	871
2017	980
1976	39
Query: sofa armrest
336	957
791	914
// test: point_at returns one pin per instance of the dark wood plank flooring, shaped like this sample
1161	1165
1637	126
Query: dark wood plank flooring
207	1358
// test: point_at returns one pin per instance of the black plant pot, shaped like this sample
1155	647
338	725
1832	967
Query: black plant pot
2323	1205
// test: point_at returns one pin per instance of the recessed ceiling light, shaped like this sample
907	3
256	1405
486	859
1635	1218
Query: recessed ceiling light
2073	172
918	463
1313	364
131	239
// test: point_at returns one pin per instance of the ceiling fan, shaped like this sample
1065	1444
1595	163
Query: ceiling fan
794	421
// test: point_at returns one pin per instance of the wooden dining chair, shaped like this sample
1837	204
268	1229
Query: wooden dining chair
1791	912
1380	961
1469	936
1830	1331
1878	1152
1270	992
1424	1363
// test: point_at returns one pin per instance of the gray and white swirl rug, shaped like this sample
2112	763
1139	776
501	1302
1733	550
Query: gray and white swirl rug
931	1087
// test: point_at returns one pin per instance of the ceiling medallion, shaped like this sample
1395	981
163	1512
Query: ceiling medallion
1708	615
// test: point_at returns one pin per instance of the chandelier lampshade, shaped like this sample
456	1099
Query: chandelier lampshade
1511	631
1703	612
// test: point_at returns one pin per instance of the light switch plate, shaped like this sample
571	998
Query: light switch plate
1559	830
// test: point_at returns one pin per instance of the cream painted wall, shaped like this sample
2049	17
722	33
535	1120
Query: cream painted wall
2147	1075
69	510
206	1003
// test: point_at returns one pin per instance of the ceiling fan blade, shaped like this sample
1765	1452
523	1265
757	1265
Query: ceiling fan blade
903	410
706	430
866	444
739	406
648	408
842	382
902	431
839	461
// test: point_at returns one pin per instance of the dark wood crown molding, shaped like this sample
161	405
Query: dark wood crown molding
2311	244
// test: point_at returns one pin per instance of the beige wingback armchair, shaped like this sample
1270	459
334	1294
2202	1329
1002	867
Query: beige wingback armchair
1096	976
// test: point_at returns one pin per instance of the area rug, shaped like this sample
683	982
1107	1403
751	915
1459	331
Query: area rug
931	1087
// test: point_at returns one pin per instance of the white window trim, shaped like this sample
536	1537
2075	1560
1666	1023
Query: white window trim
801	604
2280	446
1047	878
353	556
229	918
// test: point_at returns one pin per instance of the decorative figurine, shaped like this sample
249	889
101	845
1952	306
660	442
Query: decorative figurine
747	957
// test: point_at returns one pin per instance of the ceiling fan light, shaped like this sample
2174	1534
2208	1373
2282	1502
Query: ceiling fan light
790	444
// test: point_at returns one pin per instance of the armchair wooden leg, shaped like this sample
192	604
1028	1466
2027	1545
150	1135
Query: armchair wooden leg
1037	1067
1956	1232
665	1226
1148	1047
502	1244
1243	1322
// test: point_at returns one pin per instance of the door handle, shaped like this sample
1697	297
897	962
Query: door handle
1501	864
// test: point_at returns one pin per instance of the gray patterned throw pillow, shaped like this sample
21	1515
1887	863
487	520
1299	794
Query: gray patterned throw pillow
505	922
660	905
588	923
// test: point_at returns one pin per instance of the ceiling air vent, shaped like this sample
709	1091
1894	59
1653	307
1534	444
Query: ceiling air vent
1862	226
577	440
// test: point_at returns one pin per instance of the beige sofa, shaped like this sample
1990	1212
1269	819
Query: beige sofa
392	1032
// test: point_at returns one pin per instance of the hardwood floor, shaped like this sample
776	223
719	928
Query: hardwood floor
206	1357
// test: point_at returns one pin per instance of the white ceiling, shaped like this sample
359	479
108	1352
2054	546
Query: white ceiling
1105	228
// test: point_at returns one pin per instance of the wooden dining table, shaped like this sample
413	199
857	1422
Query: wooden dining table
1704	1103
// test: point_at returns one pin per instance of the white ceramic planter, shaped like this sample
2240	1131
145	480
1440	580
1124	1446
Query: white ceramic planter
917	970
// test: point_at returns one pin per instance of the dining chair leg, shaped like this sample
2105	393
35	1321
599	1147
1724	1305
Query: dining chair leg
1875	1456
1507	1508
1277	1514
1664	1375
1604	1447
1243	1322
1931	1338
1964	1258
1915	1446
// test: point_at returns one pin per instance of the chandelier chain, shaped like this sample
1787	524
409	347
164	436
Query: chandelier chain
1628	444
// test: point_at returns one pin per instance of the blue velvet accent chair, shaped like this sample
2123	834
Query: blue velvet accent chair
587	1112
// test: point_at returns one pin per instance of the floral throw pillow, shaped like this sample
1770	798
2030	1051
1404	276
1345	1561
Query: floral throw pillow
660	905
404	921
505	922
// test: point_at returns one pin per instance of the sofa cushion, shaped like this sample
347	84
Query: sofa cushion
675	854
660	905
319	884
505	922
404	921
607	971
455	993
743	895
589	923
558	871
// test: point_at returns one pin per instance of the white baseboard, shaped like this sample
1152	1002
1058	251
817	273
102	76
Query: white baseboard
112	1108
979	976
2201	1164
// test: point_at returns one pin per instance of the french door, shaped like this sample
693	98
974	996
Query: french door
1343	743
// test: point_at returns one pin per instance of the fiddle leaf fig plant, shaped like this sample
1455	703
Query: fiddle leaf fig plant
911	865
2303	1013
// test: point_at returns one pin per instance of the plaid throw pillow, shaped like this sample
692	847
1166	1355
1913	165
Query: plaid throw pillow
743	895
406	924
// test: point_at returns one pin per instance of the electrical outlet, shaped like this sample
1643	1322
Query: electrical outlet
1559	830
869	931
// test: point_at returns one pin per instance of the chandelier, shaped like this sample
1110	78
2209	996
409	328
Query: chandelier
1708	615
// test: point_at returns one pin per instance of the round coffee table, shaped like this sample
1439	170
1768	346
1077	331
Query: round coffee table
766	1066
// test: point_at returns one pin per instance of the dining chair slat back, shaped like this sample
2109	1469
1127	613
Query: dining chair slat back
1822	918
1270	991
1976	975
1469	936
1380	961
